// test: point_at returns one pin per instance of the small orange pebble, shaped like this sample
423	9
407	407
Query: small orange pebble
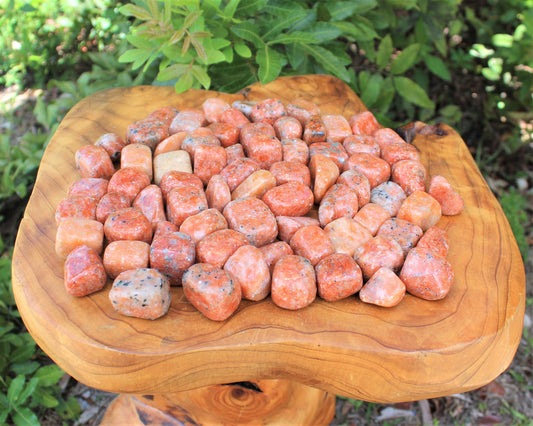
338	276
359	183
264	150
288	225
183	202
141	293
120	256
164	227
251	130
410	175
403	232
312	242
371	216
208	161
237	171
253	219
94	162
128	181
426	274
84	272
89	187
216	247
361	143
172	143
172	254
394	152
314	130
386	136
333	150
148	132
234	117
388	195
212	291
421	209
268	111
374	168
436	240
288	127
227	134
363	123
164	114
72	233
337	127
109	203
347	235
244	106
295	150
150	202
76	206
213	109
289	199
384	288
324	173
128	224
293	283
217	193
274	251
248	268
137	156
302	109
187	120
112	143
291	171
377	253
255	185
234	152
449	199
178	179
339	200
202	224
193	140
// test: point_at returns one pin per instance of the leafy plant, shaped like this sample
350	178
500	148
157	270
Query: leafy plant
514	205
27	387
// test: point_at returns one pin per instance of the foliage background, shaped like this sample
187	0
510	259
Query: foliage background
467	63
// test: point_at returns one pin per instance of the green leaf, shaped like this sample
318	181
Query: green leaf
359	28
69	409
328	60
15	388
295	37
191	18
324	31
412	92
249	32
49	375
384	52
25	417
184	83
25	368
341	10
201	75
135	11
200	50
242	50
137	56
502	40
283	22
28	390
370	91
406	59
45	397
22	353
437	67
269	62
172	72
251	7
140	42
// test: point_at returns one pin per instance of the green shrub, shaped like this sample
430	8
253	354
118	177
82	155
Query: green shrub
44	39
28	386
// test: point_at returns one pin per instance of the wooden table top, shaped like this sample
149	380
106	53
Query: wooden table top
419	349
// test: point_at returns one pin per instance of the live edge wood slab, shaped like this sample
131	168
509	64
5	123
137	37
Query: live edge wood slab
419	349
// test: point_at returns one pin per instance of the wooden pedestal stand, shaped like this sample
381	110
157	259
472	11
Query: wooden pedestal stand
176	365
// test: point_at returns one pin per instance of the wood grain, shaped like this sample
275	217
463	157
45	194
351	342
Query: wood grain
416	350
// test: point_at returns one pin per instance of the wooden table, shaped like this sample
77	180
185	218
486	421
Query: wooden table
283	366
